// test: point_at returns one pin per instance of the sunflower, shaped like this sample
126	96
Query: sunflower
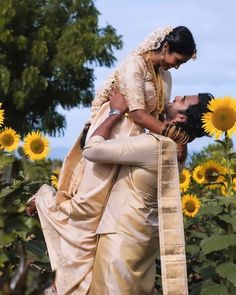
221	118
54	177
36	146
198	175
9	139
184	180
224	188
234	184
191	205
213	172
1	115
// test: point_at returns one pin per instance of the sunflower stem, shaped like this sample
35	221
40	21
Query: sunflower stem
230	229
228	165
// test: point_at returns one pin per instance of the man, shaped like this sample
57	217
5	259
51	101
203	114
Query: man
70	226
128	230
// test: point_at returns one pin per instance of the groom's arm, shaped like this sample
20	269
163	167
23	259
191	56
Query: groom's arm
118	108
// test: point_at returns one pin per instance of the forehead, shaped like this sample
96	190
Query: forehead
180	57
192	99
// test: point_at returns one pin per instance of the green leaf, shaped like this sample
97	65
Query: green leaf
3	259
207	271
6	160
211	210
228	271
222	142
217	242
200	235
37	249
232	155
229	219
192	249
6	191
214	289
6	239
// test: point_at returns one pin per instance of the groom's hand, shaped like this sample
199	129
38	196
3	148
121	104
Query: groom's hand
182	152
117	101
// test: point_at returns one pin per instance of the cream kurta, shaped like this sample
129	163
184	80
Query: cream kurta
125	257
130	218
71	240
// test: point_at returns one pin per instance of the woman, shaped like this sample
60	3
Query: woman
145	82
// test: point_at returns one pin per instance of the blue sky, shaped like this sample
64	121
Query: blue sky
213	25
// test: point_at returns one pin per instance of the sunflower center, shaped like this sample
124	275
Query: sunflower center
224	119
211	174
7	140
190	206
199	175
182	178
37	146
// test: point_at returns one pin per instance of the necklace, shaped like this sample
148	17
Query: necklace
157	82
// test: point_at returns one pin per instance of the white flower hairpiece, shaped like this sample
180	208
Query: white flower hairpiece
154	40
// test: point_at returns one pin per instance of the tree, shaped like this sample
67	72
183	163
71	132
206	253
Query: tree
48	49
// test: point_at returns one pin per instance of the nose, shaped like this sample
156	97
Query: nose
177	98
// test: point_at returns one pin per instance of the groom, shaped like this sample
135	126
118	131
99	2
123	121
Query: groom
122	262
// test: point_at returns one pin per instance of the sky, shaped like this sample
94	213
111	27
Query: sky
213	24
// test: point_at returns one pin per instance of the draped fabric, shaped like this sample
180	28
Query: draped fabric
113	233
170	217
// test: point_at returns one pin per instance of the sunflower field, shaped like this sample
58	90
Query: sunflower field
208	187
24	264
207	184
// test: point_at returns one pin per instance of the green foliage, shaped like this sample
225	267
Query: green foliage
48	50
227	270
211	288
5	159
210	236
24	264
217	242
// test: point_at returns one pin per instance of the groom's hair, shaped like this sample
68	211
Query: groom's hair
193	125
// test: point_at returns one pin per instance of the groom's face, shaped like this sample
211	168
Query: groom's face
175	111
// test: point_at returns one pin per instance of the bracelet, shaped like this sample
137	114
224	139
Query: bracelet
114	112
175	133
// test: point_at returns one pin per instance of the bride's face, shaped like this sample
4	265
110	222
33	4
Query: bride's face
173	60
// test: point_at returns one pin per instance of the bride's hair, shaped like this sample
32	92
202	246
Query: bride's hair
181	40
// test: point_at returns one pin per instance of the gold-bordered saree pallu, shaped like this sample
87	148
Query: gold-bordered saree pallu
170	217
